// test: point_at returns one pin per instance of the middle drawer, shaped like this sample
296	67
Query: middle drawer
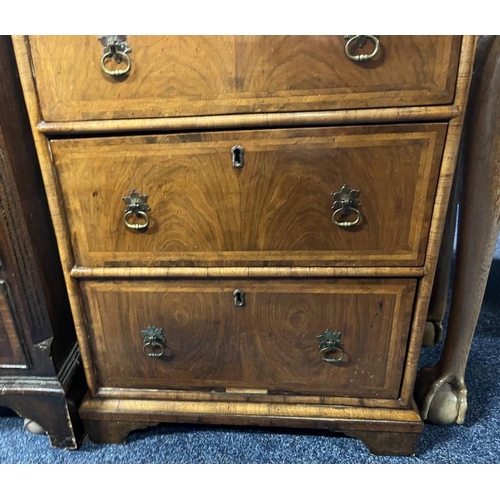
336	196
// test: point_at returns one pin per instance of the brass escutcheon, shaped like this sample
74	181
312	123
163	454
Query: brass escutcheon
237	155
239	298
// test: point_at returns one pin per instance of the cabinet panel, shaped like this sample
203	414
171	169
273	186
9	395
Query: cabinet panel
270	343
207	75
278	208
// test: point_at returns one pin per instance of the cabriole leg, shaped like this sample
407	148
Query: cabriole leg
440	390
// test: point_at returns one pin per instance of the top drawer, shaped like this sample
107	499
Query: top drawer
207	75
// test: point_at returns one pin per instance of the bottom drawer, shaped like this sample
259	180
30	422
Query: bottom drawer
248	335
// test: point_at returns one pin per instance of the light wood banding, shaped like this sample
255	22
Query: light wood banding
246	121
246	272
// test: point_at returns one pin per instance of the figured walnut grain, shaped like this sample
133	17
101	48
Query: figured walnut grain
209	75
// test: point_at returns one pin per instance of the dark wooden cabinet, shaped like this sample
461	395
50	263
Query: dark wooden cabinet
41	376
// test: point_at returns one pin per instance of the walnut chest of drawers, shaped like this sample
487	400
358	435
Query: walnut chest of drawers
249	225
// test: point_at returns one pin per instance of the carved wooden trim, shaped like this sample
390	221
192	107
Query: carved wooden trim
18	357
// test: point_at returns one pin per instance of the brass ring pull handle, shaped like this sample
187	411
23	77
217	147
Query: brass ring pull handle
330	346
129	214
340	213
117	48
136	207
337	355
345	202
153	341
153	349
360	41
118	57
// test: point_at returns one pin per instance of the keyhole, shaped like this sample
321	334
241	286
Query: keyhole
237	153
239	298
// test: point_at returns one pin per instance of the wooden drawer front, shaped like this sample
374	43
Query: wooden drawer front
203	75
268	344
11	350
276	209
